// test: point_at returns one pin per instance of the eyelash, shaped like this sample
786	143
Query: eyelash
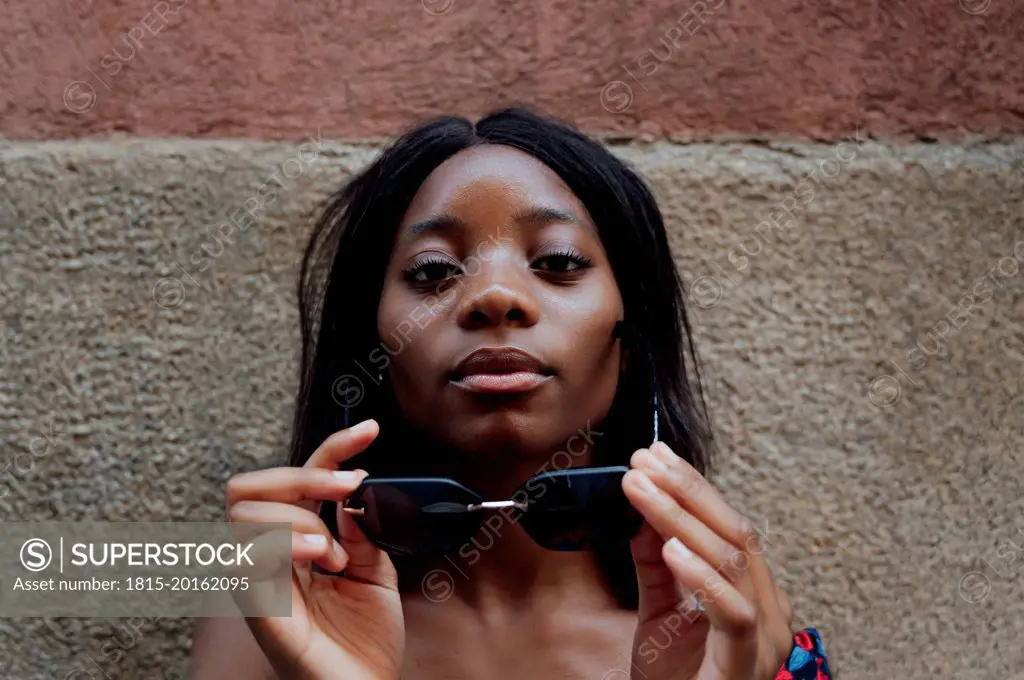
411	273
578	260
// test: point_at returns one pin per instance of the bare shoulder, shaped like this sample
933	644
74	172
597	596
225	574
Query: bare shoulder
225	648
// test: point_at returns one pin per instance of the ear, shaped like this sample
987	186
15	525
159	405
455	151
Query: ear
624	360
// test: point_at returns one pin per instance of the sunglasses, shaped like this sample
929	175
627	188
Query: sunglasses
572	509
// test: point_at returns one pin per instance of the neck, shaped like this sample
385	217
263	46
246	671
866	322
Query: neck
502	573
501	570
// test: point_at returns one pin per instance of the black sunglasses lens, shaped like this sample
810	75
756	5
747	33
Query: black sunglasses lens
580	509
415	516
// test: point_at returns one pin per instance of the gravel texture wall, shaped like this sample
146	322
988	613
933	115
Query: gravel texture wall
692	68
863	352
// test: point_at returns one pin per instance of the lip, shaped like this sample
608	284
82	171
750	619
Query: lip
493	370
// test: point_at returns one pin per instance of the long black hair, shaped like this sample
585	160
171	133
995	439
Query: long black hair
342	278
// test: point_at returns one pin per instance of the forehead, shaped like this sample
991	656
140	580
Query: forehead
487	177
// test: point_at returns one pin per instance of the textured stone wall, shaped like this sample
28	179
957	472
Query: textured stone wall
362	68
156	385
844	184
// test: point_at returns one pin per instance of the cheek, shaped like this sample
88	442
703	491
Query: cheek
402	320
404	316
587	318
595	364
591	381
593	356
409	333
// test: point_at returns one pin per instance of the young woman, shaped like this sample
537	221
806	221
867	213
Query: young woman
496	304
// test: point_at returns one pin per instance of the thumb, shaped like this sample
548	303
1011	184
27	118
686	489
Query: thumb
659	591
366	562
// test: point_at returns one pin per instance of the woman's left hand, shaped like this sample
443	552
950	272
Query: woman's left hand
694	546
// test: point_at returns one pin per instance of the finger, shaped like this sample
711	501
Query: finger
269	573
670	520
293	485
265	551
366	562
658	587
302	520
676	520
769	604
304	523
344	444
698	496
785	605
727	610
319	548
743	566
265	554
682	481
782	626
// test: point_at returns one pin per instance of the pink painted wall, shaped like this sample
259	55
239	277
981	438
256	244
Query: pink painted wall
357	69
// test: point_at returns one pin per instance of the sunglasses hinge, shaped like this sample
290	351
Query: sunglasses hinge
486	505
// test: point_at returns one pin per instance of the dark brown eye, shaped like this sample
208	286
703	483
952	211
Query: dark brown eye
431	270
562	262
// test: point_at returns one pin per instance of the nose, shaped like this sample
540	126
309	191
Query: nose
499	294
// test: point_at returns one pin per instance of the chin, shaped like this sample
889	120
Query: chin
500	434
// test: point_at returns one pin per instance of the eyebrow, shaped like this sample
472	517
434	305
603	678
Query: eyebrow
535	216
441	224
540	215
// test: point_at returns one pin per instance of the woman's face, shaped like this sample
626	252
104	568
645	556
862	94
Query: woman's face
496	253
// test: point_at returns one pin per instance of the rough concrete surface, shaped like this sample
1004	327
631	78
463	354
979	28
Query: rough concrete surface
887	491
683	69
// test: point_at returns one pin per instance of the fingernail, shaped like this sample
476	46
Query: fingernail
676	547
347	476
663	453
653	459
319	540
361	428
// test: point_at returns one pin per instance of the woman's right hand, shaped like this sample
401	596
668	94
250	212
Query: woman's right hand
341	626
